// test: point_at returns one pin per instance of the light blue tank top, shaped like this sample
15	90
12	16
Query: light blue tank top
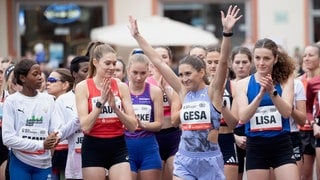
198	116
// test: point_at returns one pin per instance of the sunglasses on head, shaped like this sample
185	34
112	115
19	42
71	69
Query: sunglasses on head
53	79
137	51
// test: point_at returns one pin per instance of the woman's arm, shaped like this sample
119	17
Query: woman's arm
244	109
87	119
299	113
156	59
229	118
175	106
230	114
217	85
156	95
127	117
174	102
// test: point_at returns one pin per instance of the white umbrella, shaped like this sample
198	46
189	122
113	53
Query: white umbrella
157	31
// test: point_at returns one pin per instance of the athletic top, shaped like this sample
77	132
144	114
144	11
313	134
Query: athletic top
312	93
198	116
27	121
143	108
166	105
107	124
66	108
267	121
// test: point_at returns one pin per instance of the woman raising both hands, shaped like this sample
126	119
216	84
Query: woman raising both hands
198	145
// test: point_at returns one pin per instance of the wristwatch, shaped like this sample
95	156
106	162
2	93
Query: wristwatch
98	104
275	92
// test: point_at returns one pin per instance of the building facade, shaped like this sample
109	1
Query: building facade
63	26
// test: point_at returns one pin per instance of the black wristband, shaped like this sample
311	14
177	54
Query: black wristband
227	34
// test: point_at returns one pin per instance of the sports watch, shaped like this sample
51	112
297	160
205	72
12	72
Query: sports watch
98	104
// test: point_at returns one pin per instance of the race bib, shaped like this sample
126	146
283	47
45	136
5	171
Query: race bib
195	116
78	142
143	111
107	111
266	118
33	133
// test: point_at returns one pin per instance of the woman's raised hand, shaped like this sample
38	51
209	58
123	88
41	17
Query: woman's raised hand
133	27
229	20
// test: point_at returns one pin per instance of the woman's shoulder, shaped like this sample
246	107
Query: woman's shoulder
120	84
44	95
82	84
155	90
242	82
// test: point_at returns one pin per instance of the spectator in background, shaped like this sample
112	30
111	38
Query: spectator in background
40	54
28	54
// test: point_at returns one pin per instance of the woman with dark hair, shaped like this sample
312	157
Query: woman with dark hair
199	155
241	64
29	125
66	109
266	100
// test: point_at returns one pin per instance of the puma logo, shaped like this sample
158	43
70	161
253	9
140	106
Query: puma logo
69	107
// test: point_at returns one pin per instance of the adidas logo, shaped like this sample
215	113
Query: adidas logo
232	160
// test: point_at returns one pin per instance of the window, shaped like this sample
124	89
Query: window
315	15
37	24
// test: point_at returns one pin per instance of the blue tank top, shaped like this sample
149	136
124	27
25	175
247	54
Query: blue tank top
143	108
267	121
198	116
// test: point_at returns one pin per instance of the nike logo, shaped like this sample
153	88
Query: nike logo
21	110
